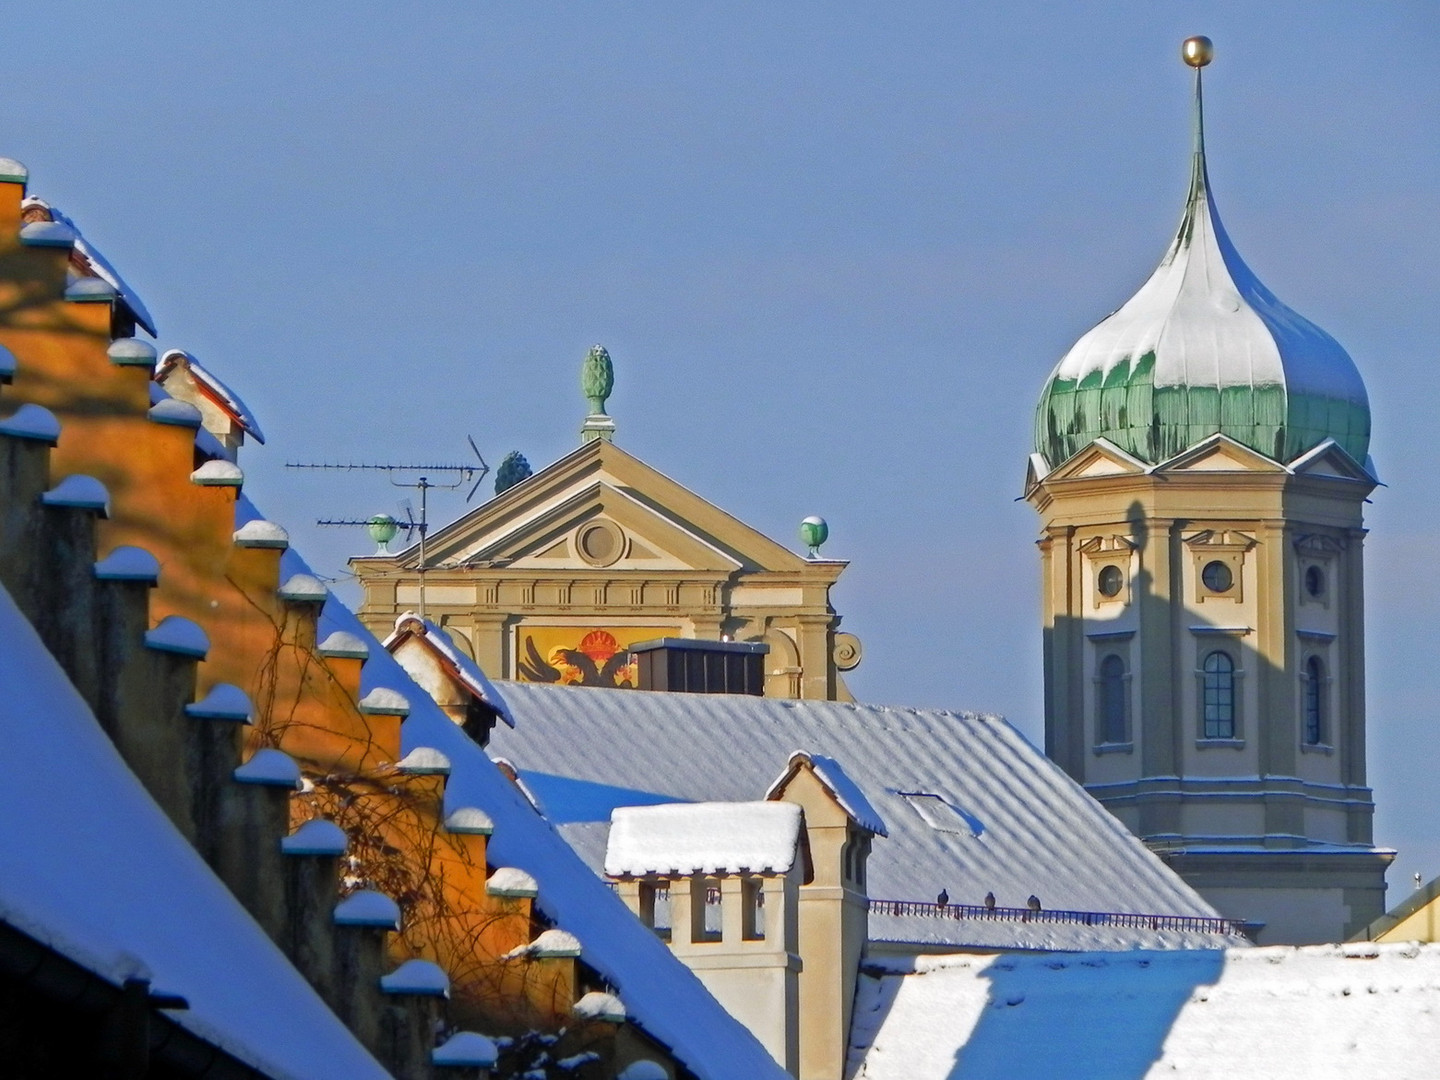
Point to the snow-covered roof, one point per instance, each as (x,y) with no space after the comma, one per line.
(1318,1012)
(703,838)
(663,996)
(459,666)
(91,867)
(87,261)
(971,807)
(209,385)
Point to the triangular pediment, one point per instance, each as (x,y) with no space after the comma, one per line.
(1099,458)
(1330,459)
(600,508)
(1219,453)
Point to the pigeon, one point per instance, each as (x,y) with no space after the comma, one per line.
(1034,902)
(989,901)
(943,898)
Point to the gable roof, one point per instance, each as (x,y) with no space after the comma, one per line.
(91,867)
(1021,826)
(455,664)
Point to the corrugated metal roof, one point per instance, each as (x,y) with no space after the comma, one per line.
(1029,829)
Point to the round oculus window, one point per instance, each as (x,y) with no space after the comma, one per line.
(1217,576)
(599,543)
(1315,581)
(1110,580)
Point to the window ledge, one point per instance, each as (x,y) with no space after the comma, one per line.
(1316,748)
(1207,744)
(1114,748)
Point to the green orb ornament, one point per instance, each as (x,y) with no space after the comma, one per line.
(382,529)
(813,533)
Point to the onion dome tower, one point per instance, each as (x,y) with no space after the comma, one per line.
(1201,463)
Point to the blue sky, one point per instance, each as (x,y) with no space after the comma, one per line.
(833,249)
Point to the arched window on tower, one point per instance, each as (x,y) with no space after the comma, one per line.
(1217,704)
(1314,702)
(1114,701)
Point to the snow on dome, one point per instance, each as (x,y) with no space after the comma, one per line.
(344,645)
(424,761)
(383,701)
(510,881)
(1202,348)
(172,411)
(218,473)
(177,634)
(600,1006)
(127,563)
(32,422)
(269,767)
(47,234)
(131,352)
(303,588)
(81,491)
(417,977)
(466,1049)
(90,290)
(261,534)
(223,701)
(470,819)
(367,907)
(316,837)
(12,172)
(703,838)
(644,1069)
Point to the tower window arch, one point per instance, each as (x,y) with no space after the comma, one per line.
(1113,701)
(1313,711)
(1217,695)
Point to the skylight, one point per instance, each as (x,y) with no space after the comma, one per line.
(941,815)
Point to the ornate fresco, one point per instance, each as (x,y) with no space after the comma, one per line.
(581,655)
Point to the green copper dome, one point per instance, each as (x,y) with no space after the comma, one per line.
(1203,347)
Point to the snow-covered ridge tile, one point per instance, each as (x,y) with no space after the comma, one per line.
(79,491)
(344,645)
(470,819)
(466,1049)
(177,634)
(551,943)
(128,563)
(54,234)
(175,412)
(417,977)
(218,473)
(597,1005)
(424,761)
(12,172)
(368,907)
(224,701)
(131,352)
(316,837)
(303,589)
(382,701)
(261,534)
(32,421)
(269,767)
(91,290)
(8,364)
(703,838)
(511,881)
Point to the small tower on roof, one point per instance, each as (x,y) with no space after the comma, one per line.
(1201,464)
(597,380)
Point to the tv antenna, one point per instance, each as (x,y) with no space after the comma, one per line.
(383,527)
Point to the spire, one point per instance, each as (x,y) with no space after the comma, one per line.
(597,380)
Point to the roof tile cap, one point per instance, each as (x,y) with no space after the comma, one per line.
(342,643)
(420,977)
(260,533)
(32,421)
(223,702)
(466,1049)
(511,881)
(218,473)
(316,837)
(269,767)
(177,634)
(368,907)
(128,563)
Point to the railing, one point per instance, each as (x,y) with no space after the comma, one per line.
(1194,923)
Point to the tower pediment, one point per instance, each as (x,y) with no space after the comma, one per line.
(1219,453)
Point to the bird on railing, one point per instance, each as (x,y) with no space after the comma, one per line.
(989,901)
(1033,902)
(943,898)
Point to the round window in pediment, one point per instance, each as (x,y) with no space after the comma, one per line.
(599,543)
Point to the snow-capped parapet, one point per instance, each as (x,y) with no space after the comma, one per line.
(466,1049)
(417,977)
(177,413)
(32,421)
(53,234)
(470,819)
(368,908)
(218,473)
(644,1069)
(128,563)
(344,645)
(8,364)
(261,534)
(703,838)
(382,701)
(597,1005)
(91,290)
(79,491)
(424,761)
(550,944)
(269,767)
(12,172)
(303,589)
(223,702)
(511,881)
(316,837)
(177,634)
(131,352)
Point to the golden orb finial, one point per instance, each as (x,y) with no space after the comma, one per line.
(1197,51)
